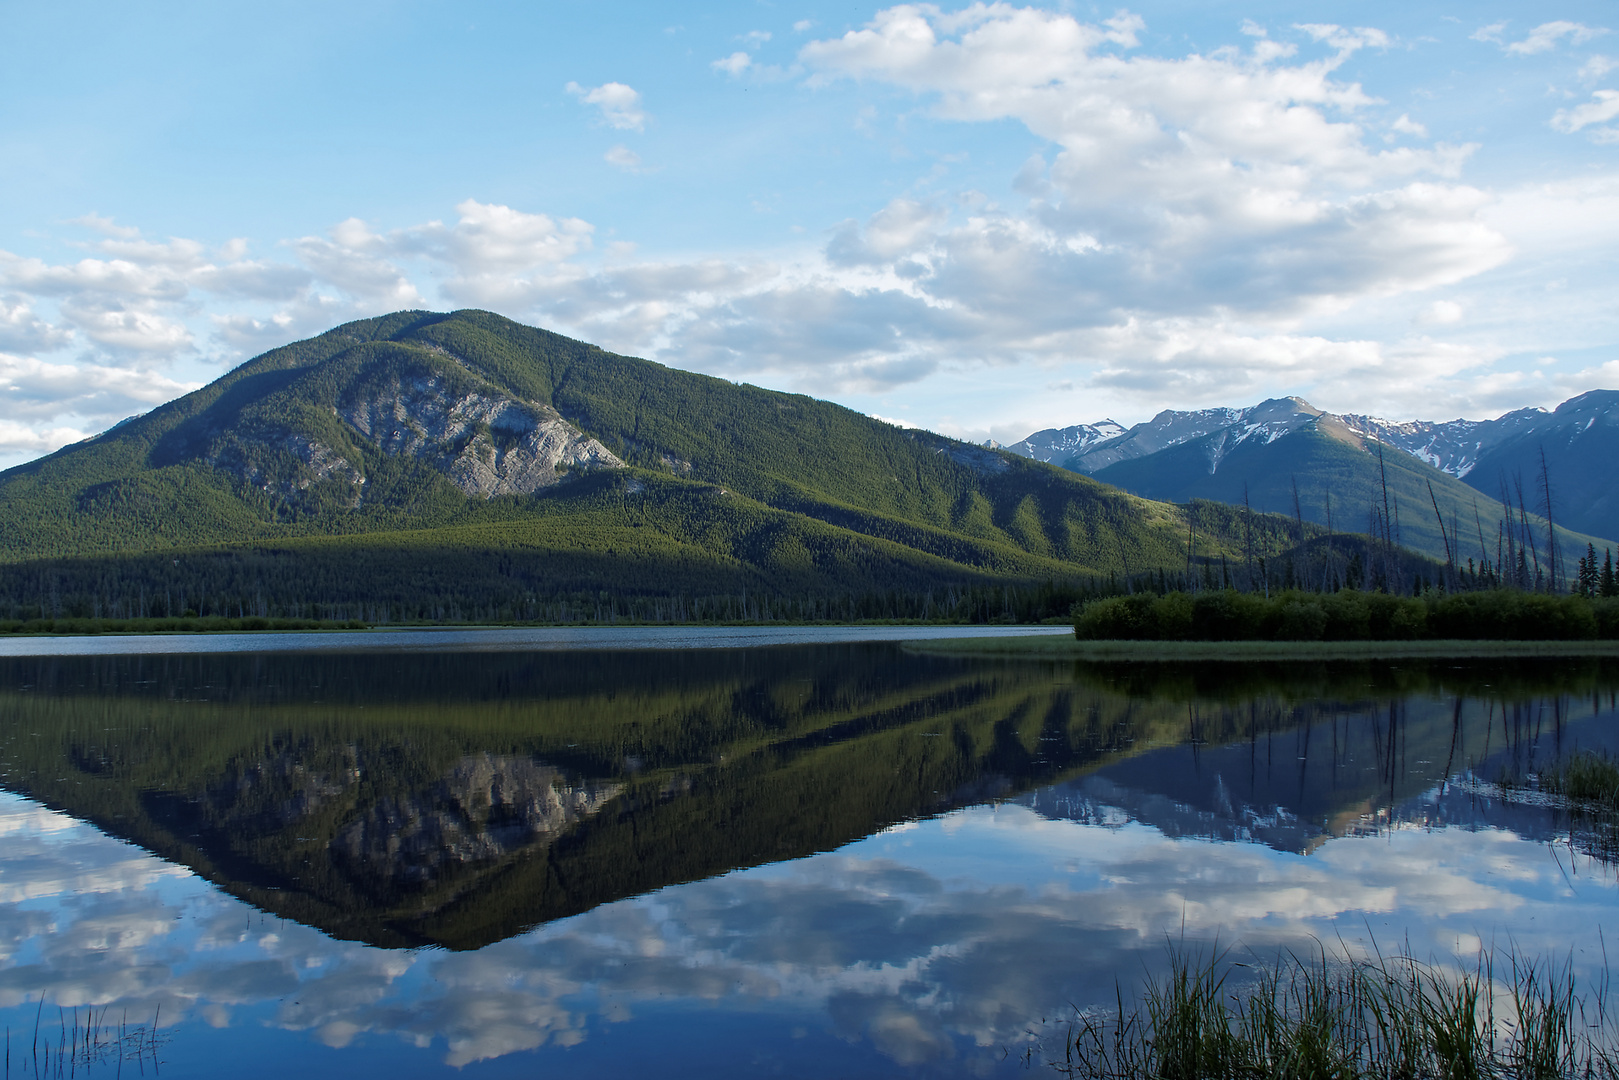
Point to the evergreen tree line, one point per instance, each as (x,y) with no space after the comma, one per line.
(177,609)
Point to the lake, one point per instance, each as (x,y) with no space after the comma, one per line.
(806,855)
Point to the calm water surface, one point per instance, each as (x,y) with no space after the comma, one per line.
(832,858)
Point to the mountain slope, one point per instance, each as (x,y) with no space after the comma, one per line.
(441,441)
(1581,438)
(1328,462)
(1581,442)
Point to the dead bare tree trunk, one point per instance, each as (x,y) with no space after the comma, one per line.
(1330,568)
(1511,533)
(1450,557)
(1394,549)
(1298,521)
(1528,533)
(1191,544)
(1248,534)
(1388,539)
(1551,532)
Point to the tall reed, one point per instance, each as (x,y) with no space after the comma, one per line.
(1330,1017)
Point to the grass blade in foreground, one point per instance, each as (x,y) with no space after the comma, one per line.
(1347,1019)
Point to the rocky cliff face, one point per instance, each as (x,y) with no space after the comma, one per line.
(484,808)
(486,443)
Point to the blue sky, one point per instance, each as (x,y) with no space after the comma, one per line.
(983,220)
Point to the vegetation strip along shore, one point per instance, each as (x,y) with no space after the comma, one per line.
(1066,648)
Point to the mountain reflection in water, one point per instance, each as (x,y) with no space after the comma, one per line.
(1007,838)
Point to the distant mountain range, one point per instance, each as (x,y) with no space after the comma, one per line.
(1267,448)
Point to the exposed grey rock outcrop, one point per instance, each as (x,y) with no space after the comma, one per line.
(484,808)
(486,443)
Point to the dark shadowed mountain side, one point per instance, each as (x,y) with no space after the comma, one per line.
(441,455)
(1580,439)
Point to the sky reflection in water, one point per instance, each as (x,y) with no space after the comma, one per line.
(930,947)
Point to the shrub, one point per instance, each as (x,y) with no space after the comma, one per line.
(1118,618)
(1350,615)
(1227,616)
(1606,613)
(1297,617)
(1505,614)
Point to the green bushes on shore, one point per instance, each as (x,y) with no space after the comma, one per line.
(1349,615)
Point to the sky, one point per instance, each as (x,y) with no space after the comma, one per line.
(984,220)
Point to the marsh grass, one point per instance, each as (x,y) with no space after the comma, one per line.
(1586,778)
(84,1040)
(1336,1018)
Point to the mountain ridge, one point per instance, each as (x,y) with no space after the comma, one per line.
(1493,458)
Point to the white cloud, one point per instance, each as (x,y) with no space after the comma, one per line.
(755,38)
(733,65)
(127,329)
(1603,107)
(19,440)
(1407,126)
(1491,33)
(620,105)
(116,277)
(623,157)
(1547,36)
(48,405)
(802,25)
(1169,167)
(894,231)
(1596,67)
(355,260)
(23,331)
(490,238)
(1153,150)
(1346,39)
(1441,313)
(106,226)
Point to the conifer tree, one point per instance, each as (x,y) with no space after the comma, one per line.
(1588,580)
(1609,586)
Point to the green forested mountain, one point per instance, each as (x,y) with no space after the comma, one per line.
(477,462)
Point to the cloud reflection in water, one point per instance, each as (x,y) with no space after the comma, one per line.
(935,944)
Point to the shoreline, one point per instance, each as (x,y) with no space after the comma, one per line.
(1069,648)
(500,639)
(334,626)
